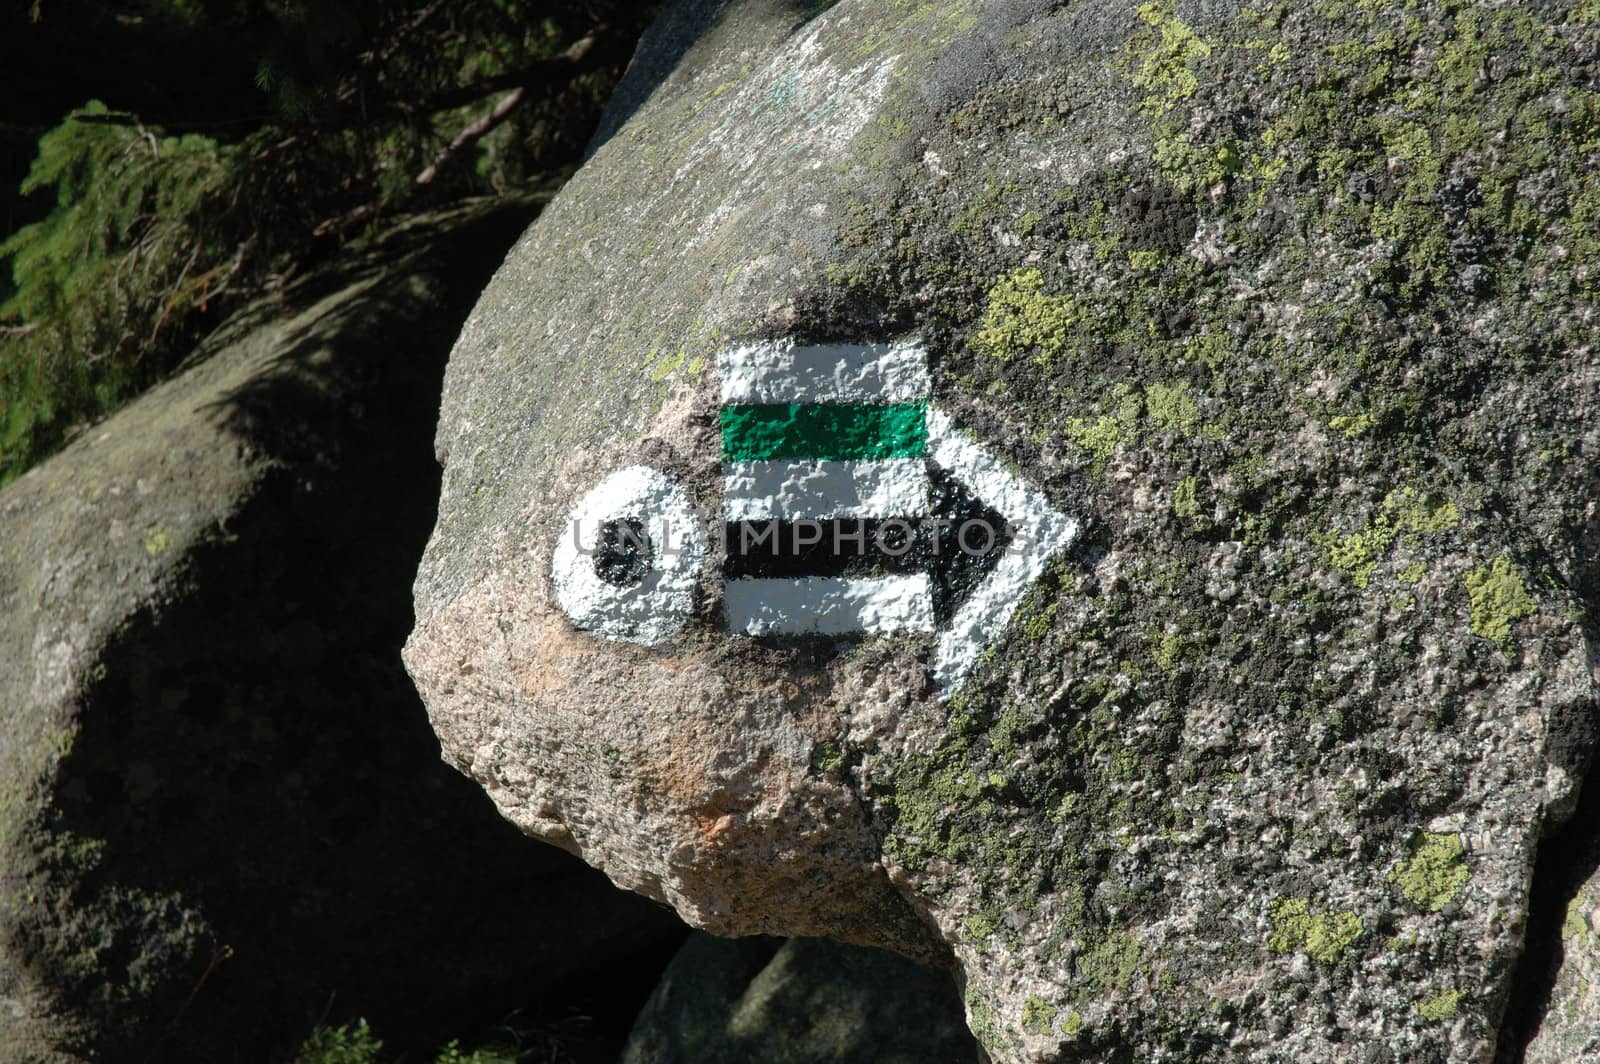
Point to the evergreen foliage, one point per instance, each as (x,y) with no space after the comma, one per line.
(152,234)
(123,254)
(356,1043)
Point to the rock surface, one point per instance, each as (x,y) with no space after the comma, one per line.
(1290,309)
(805,1001)
(1554,1016)
(1570,1032)
(224,820)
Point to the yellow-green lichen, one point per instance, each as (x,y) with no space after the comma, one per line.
(1407,512)
(1440,1006)
(1166,650)
(1322,936)
(1038,622)
(1413,572)
(1575,928)
(1352,425)
(1356,554)
(1038,1015)
(1418,512)
(1186,498)
(1171,407)
(1498,599)
(828,758)
(1111,963)
(980,1019)
(1020,318)
(1434,873)
(1065,809)
(1102,435)
(1099,436)
(157,542)
(1145,259)
(1163,59)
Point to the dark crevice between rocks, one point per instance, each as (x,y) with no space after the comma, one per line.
(1567,858)
(254,832)
(1570,855)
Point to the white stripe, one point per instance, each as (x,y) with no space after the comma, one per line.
(1039,532)
(826,605)
(780,372)
(761,491)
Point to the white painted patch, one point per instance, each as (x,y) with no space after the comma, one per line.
(1039,532)
(663,600)
(829,605)
(781,372)
(888,487)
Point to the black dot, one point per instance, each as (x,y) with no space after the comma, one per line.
(623,555)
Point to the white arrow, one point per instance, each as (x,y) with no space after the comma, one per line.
(1039,532)
(866,461)
(833,439)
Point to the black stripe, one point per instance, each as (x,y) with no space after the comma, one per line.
(958,572)
(876,546)
(850,546)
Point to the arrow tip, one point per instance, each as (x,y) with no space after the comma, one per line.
(1039,531)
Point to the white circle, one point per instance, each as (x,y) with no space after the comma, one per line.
(662,601)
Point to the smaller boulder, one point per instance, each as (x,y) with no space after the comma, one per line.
(807,1001)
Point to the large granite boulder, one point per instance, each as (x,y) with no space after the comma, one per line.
(805,1001)
(1262,339)
(223,819)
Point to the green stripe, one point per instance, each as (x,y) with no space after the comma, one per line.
(823,431)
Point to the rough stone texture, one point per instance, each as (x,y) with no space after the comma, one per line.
(1570,1032)
(806,1001)
(1293,306)
(222,815)
(1554,1014)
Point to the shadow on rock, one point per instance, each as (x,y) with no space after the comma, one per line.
(253,832)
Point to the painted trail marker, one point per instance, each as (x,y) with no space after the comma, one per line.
(850,505)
